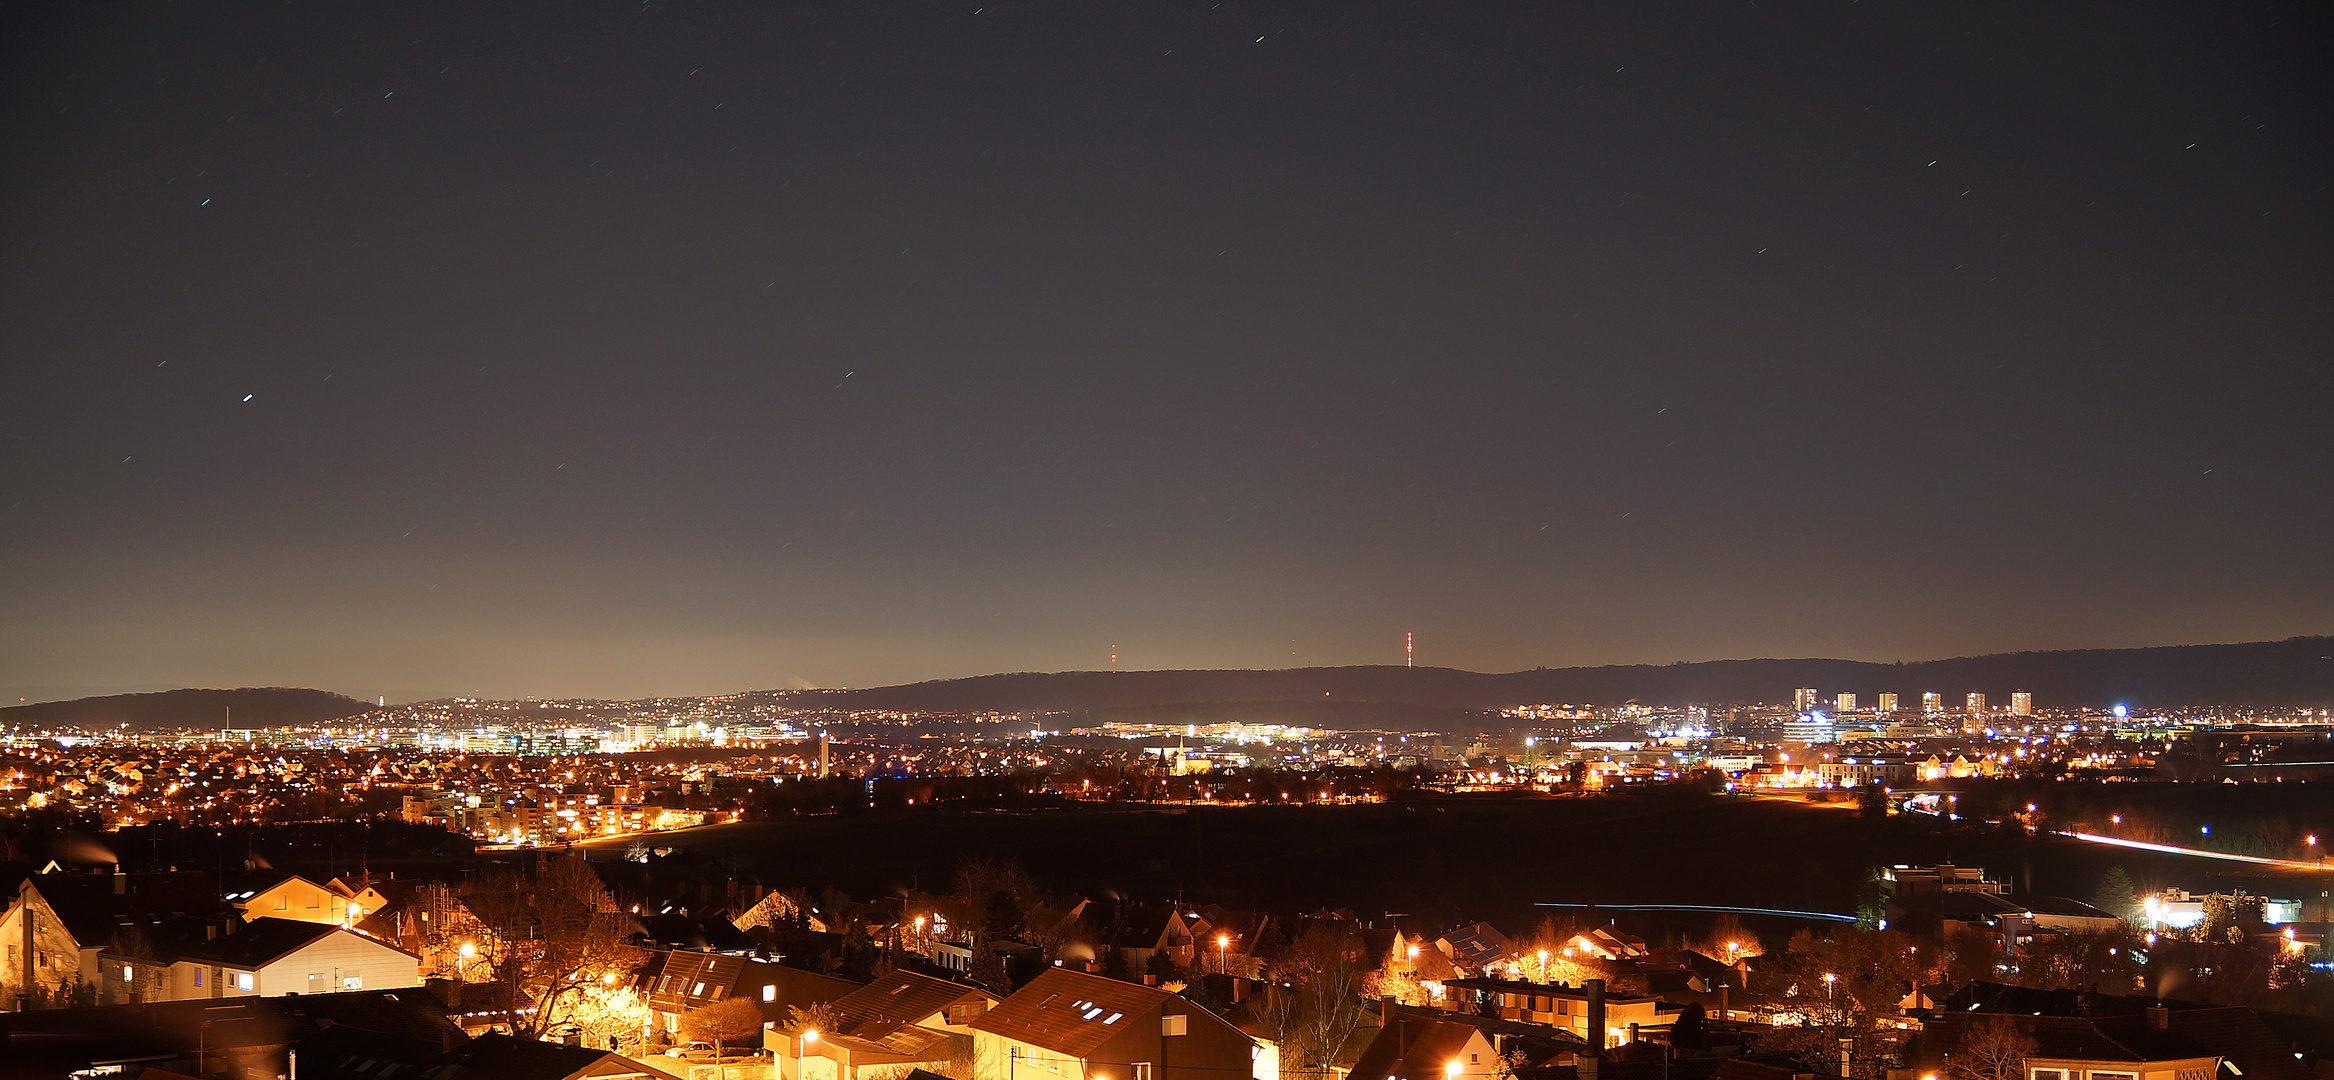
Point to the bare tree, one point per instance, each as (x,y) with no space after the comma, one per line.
(1842,986)
(1324,972)
(547,937)
(731,1020)
(1992,1048)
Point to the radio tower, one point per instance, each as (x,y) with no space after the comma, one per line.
(1114,658)
(1409,648)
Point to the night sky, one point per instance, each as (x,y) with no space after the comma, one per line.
(617,349)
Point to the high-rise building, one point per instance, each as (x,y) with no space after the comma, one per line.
(1887,702)
(1803,699)
(1845,703)
(1932,701)
(1977,703)
(2021,703)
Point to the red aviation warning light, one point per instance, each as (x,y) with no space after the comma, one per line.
(1409,647)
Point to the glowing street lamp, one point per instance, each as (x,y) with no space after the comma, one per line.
(1831,984)
(1222,940)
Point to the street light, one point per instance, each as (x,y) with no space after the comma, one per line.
(1222,940)
(1831,984)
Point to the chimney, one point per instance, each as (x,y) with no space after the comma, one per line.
(2159,1017)
(1722,1001)
(1596,1013)
(1386,1011)
(121,880)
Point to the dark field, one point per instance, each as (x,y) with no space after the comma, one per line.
(1445,859)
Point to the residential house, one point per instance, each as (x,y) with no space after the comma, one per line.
(266,958)
(1230,942)
(1941,878)
(900,1020)
(676,981)
(1426,1049)
(1563,1006)
(58,922)
(279,894)
(1068,1025)
(1137,932)
(2142,1047)
(367,1035)
(1473,948)
(1610,944)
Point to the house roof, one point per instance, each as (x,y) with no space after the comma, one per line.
(503,1057)
(743,976)
(679,931)
(2129,1039)
(1071,1012)
(2241,1036)
(92,910)
(884,1013)
(2060,906)
(1519,986)
(261,942)
(53,1042)
(1412,1048)
(1138,926)
(1475,944)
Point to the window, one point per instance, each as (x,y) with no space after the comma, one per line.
(283,903)
(2114,1076)
(198,974)
(242,980)
(2050,1074)
(126,973)
(1178,1024)
(352,982)
(699,992)
(770,992)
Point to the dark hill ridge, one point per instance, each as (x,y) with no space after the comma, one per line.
(272,706)
(2296,671)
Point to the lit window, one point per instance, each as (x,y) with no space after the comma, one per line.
(242,980)
(770,992)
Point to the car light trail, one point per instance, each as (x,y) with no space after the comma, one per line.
(1712,907)
(2288,864)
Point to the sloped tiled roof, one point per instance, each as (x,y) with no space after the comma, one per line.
(2241,1036)
(1071,1012)
(882,1015)
(92,910)
(2072,1038)
(1412,1048)
(262,941)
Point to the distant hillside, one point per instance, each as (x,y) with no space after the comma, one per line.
(2297,671)
(272,706)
